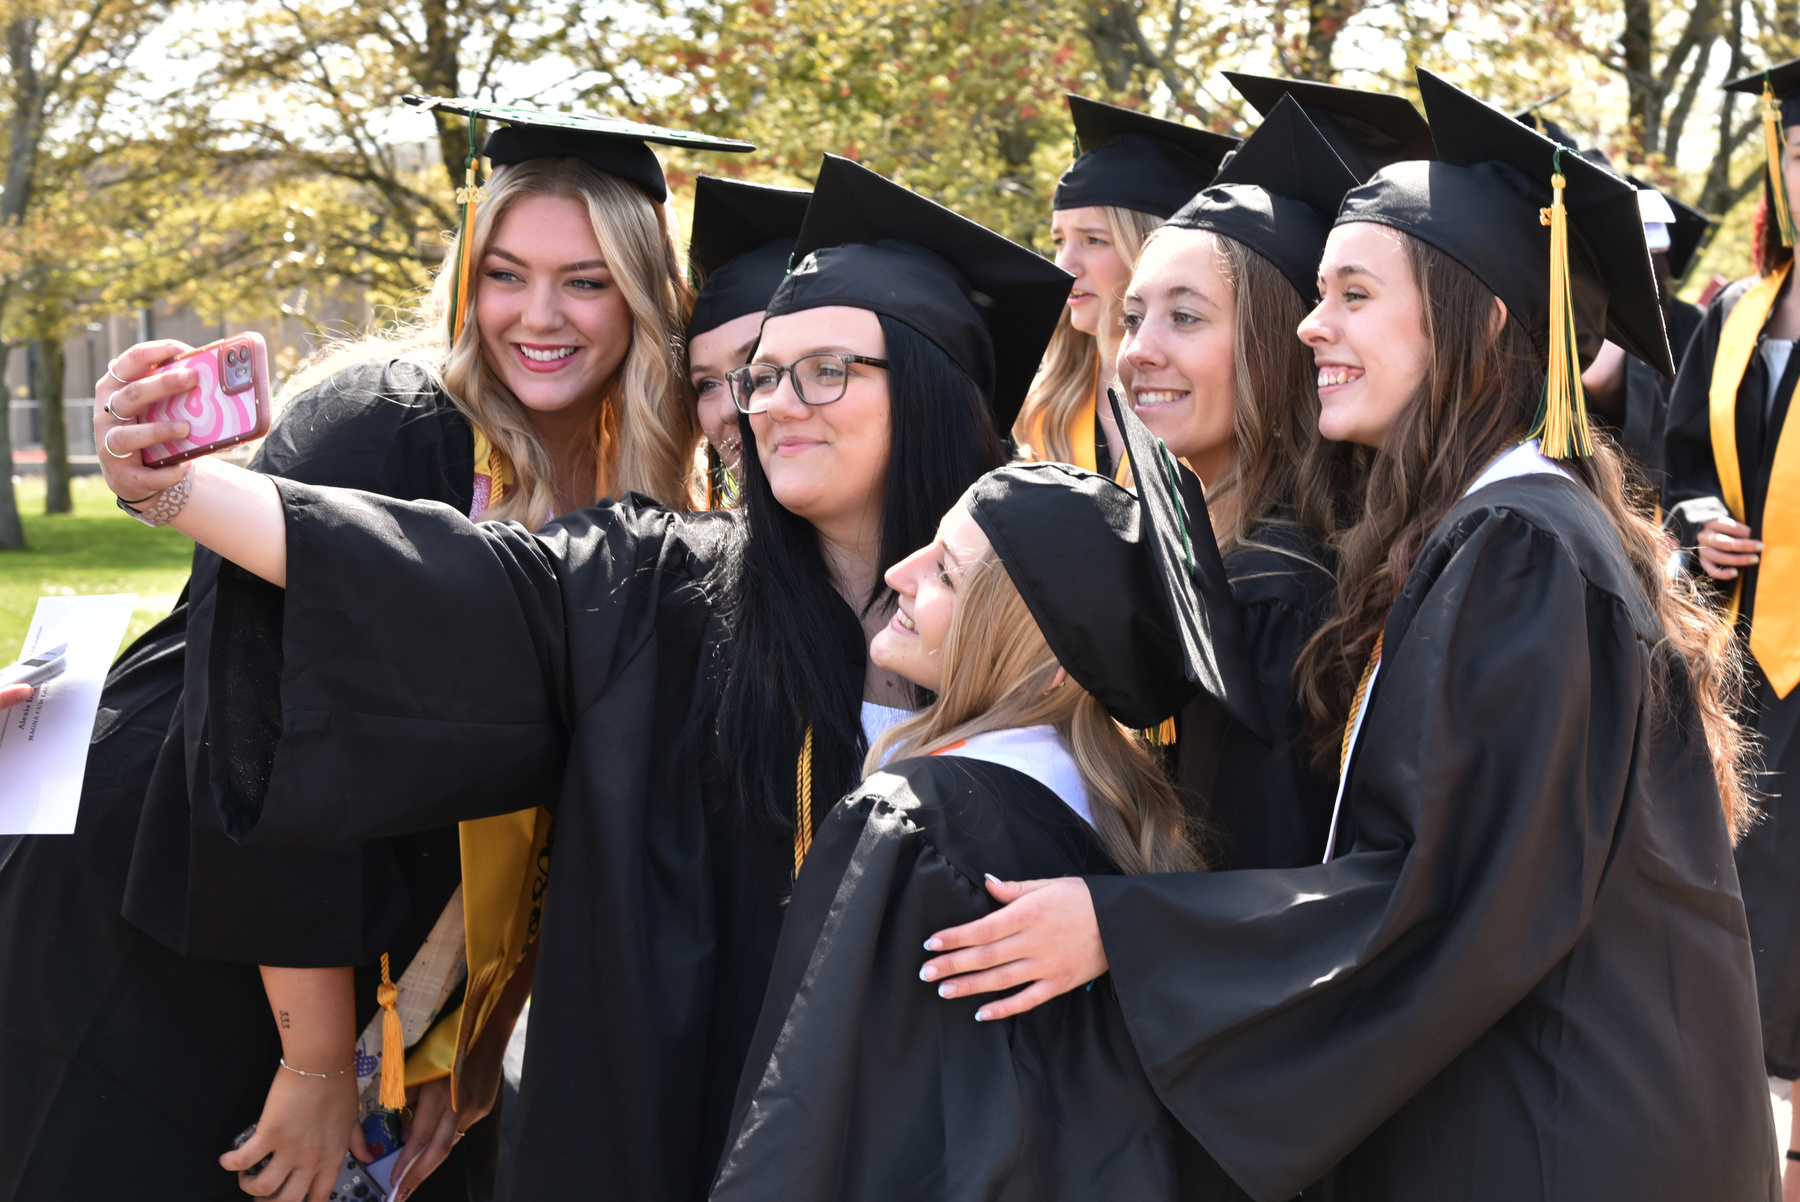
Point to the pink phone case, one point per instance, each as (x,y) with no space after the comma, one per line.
(230,405)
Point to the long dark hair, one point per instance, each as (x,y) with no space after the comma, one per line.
(780,673)
(1479,395)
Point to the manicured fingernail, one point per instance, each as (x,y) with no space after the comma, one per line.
(928,973)
(981,1016)
(946,990)
(933,944)
(181,429)
(990,876)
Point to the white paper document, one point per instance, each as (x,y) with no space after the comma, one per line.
(44,743)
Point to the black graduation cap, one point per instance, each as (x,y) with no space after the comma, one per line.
(1130,591)
(738,254)
(987,302)
(1368,130)
(1278,195)
(1131,160)
(1533,118)
(1481,204)
(612,144)
(1687,234)
(1784,81)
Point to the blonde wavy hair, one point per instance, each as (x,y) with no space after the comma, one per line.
(998,671)
(1065,378)
(647,430)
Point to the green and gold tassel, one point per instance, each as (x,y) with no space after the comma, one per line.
(1562,422)
(468,196)
(1772,147)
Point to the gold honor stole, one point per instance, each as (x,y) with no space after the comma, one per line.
(1775,629)
(505,867)
(1081,431)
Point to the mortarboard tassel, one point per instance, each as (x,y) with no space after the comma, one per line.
(1161,735)
(468,196)
(1562,421)
(803,804)
(1772,147)
(393,1042)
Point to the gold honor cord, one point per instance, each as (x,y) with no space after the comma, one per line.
(803,828)
(1562,421)
(1356,704)
(1772,148)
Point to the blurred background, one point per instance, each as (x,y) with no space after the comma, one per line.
(195,168)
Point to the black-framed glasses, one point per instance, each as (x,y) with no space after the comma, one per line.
(818,380)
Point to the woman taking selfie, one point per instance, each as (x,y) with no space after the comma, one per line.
(559,383)
(862,1084)
(1529,890)
(688,688)
(1210,363)
(1133,171)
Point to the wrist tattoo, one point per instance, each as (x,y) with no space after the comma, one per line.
(286,1024)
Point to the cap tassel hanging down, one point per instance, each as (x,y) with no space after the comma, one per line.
(468,196)
(1562,421)
(1772,146)
(393,1042)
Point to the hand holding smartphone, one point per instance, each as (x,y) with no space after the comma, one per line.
(230,404)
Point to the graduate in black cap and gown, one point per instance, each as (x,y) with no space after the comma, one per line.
(742,243)
(163,1034)
(1366,130)
(1130,172)
(1523,969)
(1211,361)
(684,688)
(1052,607)
(1733,498)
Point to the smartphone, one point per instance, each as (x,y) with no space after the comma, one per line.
(230,404)
(35,670)
(354,1183)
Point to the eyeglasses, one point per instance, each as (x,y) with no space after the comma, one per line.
(818,380)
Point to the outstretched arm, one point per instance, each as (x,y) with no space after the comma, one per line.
(233,512)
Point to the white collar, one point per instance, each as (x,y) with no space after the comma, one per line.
(1039,753)
(1523,460)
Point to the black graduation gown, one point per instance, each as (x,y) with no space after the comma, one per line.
(863,1084)
(168,1041)
(582,670)
(1264,804)
(1647,397)
(1769,856)
(1529,977)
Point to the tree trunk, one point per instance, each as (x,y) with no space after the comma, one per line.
(12,534)
(47,385)
(1645,100)
(1325,19)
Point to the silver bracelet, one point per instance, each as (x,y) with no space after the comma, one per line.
(322,1076)
(163,505)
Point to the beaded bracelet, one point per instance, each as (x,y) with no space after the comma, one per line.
(163,505)
(322,1076)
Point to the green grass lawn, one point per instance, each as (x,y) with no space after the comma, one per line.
(96,549)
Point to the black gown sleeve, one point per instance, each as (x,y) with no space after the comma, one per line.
(429,661)
(382,426)
(1691,494)
(862,1084)
(1287,1015)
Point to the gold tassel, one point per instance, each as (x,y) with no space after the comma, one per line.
(1562,421)
(393,1042)
(1160,735)
(470,195)
(803,829)
(1772,148)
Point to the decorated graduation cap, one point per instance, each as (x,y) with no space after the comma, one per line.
(738,255)
(610,144)
(1554,236)
(1367,130)
(985,301)
(1129,590)
(1278,195)
(1131,160)
(1688,227)
(1779,90)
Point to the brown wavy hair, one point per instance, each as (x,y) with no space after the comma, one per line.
(997,674)
(1065,378)
(1479,396)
